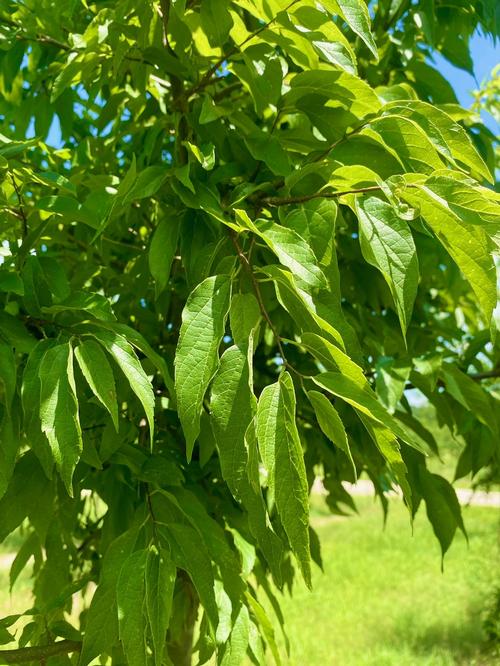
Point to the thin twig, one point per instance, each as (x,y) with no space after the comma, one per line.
(248,266)
(285,201)
(488,374)
(343,138)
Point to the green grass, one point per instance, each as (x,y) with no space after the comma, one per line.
(383,601)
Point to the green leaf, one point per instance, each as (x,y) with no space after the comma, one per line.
(204,154)
(244,317)
(130,591)
(147,184)
(388,446)
(283,458)
(101,625)
(392,375)
(406,141)
(262,74)
(160,581)
(357,18)
(11,282)
(365,402)
(232,406)
(236,647)
(97,371)
(449,138)
(27,488)
(292,250)
(10,444)
(470,395)
(346,89)
(162,250)
(30,396)
(468,245)
(30,547)
(333,358)
(465,198)
(216,20)
(443,509)
(196,358)
(95,305)
(331,424)
(190,554)
(13,332)
(265,625)
(126,359)
(8,376)
(387,243)
(59,410)
(138,341)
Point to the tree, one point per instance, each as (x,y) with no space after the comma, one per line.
(263,224)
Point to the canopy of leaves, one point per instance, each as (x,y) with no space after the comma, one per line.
(235,235)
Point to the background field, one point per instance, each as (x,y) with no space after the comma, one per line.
(382,600)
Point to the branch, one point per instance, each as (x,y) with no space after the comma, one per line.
(488,374)
(248,266)
(285,201)
(38,652)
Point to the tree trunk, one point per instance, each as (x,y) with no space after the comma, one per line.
(180,641)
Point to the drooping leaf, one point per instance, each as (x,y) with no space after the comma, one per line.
(160,580)
(365,402)
(97,371)
(443,509)
(162,250)
(232,407)
(101,627)
(470,395)
(292,251)
(449,138)
(468,245)
(59,410)
(357,18)
(130,591)
(331,424)
(282,456)
(30,396)
(124,356)
(387,243)
(8,376)
(392,376)
(236,647)
(203,323)
(216,20)
(406,141)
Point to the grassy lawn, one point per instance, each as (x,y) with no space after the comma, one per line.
(383,600)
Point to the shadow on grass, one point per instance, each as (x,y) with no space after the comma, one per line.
(464,642)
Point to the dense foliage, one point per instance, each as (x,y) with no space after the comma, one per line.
(262,225)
